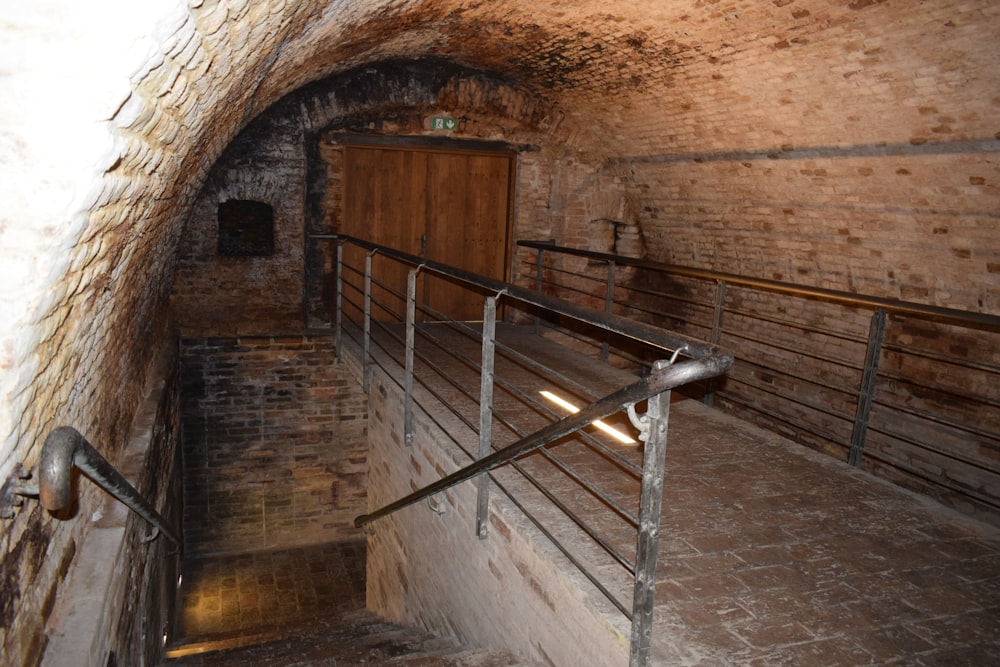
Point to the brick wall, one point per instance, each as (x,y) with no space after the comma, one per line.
(274,444)
(215,294)
(116,602)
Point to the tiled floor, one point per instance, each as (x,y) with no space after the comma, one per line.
(264,591)
(773,554)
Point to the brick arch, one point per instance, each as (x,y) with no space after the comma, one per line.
(850,144)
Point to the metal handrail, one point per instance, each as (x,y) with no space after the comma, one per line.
(869,397)
(66,448)
(896,306)
(655,383)
(646,333)
(702,361)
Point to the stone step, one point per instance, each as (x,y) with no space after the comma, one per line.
(356,639)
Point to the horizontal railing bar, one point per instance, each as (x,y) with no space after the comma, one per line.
(569,470)
(896,376)
(591,442)
(829,412)
(707,308)
(940,420)
(565,552)
(954,392)
(800,326)
(885,459)
(965,317)
(841,362)
(786,372)
(623,326)
(929,355)
(929,447)
(673,376)
(784,419)
(576,518)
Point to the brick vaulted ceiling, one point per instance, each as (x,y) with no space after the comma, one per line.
(112,119)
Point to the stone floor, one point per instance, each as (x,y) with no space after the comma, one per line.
(251,594)
(773,554)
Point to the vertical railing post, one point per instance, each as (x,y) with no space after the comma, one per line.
(338,327)
(717,320)
(367,341)
(609,303)
(486,413)
(411,339)
(650,504)
(866,392)
(539,271)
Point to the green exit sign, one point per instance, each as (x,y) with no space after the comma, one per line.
(443,123)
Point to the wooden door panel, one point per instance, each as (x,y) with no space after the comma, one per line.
(451,207)
(385,202)
(467,224)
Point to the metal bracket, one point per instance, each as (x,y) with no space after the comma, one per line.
(15,490)
(435,505)
(641,422)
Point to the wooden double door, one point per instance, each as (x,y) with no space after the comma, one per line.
(445,205)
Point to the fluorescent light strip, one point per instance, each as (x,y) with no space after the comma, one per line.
(610,430)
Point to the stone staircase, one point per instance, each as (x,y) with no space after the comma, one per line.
(355,639)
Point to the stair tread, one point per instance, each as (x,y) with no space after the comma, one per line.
(356,638)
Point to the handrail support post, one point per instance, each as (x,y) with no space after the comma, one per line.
(866,392)
(411,340)
(338,327)
(650,505)
(717,321)
(367,354)
(486,413)
(609,302)
(539,271)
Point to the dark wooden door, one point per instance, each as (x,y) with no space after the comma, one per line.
(449,206)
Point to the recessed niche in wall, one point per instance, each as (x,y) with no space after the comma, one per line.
(246,228)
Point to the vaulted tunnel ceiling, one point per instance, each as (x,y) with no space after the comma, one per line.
(634,80)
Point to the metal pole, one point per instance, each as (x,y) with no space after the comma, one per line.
(720,309)
(411,339)
(866,392)
(650,503)
(367,361)
(486,413)
(538,285)
(339,305)
(609,302)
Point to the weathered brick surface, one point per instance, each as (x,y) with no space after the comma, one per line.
(274,444)
(870,131)
(220,295)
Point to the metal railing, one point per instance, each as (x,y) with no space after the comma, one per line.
(392,328)
(909,390)
(65,449)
